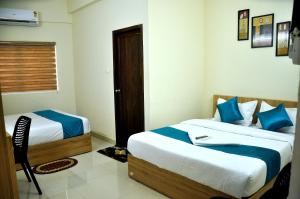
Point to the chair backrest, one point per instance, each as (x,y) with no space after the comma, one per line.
(282,182)
(280,188)
(21,134)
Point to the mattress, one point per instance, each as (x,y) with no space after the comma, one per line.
(43,130)
(236,175)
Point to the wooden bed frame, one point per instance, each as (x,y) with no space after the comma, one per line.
(176,186)
(46,152)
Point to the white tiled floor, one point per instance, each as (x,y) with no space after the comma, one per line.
(95,176)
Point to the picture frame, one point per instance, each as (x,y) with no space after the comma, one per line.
(283,38)
(243,24)
(262,31)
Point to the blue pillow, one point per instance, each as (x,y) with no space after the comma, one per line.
(229,111)
(274,119)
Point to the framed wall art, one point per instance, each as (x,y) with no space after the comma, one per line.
(243,24)
(283,38)
(262,31)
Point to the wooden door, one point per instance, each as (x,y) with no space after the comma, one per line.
(128,82)
(8,182)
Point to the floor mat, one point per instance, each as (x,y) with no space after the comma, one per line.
(55,166)
(116,153)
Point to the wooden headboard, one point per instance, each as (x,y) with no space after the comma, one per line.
(287,104)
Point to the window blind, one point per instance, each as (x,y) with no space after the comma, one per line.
(27,66)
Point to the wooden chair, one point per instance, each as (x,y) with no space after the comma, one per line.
(280,189)
(20,144)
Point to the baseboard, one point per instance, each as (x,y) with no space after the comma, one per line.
(101,136)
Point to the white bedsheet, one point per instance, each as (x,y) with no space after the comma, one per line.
(42,130)
(235,175)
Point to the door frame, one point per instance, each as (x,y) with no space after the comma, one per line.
(115,33)
(8,182)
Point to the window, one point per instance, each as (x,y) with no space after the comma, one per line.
(27,66)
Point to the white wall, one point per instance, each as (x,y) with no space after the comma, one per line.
(174,77)
(56,27)
(232,67)
(176,60)
(93,58)
(190,53)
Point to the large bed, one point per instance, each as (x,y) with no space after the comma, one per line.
(48,139)
(183,170)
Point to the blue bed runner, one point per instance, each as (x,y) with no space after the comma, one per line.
(270,157)
(72,126)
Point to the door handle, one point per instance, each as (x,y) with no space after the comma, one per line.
(117,91)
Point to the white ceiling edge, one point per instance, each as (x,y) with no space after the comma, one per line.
(76,5)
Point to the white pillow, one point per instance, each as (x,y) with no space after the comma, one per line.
(292,113)
(247,109)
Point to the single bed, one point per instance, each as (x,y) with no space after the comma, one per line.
(48,139)
(181,170)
